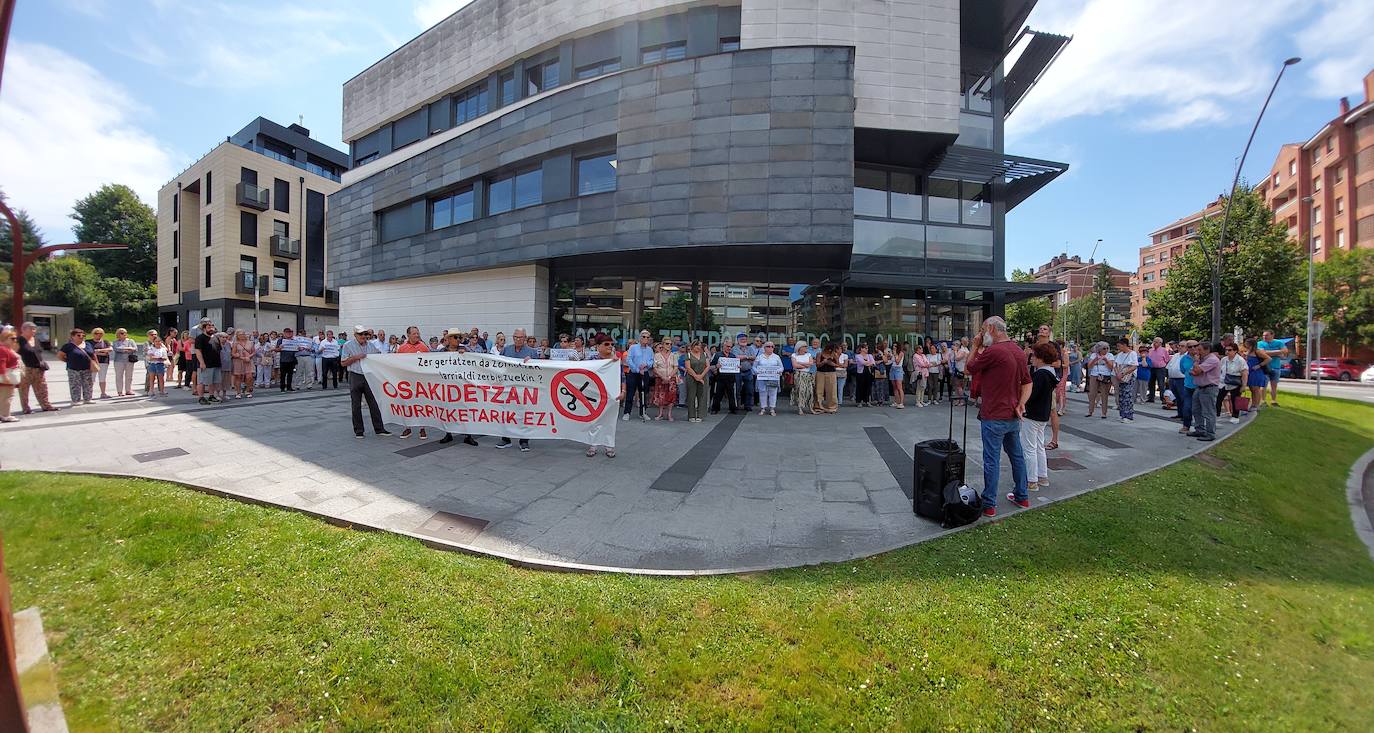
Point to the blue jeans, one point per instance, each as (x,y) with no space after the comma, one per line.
(1183,399)
(999,435)
(744,388)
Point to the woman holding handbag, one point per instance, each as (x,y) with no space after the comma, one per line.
(125,356)
(1233,371)
(665,380)
(10,372)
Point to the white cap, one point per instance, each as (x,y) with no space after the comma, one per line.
(360,329)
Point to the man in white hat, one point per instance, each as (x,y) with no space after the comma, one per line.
(358,390)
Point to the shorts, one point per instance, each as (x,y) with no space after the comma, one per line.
(1274,374)
(210,375)
(157,368)
(895,375)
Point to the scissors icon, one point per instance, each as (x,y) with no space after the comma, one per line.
(572,399)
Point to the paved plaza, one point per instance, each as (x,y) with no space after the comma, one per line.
(729,494)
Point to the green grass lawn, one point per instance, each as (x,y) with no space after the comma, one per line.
(1236,599)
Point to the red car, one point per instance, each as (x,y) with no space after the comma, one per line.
(1345,370)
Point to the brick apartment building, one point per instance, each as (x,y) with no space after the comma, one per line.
(1166,244)
(1336,168)
(1080,279)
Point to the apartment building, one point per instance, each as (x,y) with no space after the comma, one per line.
(1079,278)
(1166,244)
(1335,167)
(249,219)
(816,168)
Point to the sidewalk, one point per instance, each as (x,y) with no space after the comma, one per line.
(729,494)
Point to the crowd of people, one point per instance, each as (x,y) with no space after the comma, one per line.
(1020,387)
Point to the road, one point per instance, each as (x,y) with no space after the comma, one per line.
(1346,390)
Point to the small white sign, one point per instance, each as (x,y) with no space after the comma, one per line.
(768,371)
(728,365)
(564,355)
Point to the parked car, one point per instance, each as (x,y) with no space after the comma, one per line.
(1291,368)
(1367,376)
(1345,370)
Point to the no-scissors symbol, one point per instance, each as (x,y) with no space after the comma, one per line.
(578,395)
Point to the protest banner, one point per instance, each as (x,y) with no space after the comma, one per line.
(728,364)
(495,395)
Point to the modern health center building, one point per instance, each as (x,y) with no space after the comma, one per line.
(822,167)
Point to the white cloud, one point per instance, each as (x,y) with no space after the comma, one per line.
(1167,63)
(66,130)
(429,12)
(1336,48)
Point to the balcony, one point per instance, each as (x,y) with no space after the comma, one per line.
(245,283)
(307,166)
(251,196)
(285,247)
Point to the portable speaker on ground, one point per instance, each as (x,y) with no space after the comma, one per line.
(938,462)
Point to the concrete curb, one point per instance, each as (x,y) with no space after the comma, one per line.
(1358,501)
(576,567)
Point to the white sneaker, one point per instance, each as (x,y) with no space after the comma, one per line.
(625,417)
(1235,420)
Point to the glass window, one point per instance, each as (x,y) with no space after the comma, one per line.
(281,228)
(207,271)
(1316,244)
(450,210)
(470,105)
(529,188)
(507,88)
(248,229)
(975,130)
(888,239)
(977,203)
(870,192)
(970,246)
(906,195)
(1316,215)
(409,129)
(1316,183)
(1340,237)
(280,279)
(663,52)
(944,200)
(501,195)
(596,174)
(1340,206)
(729,43)
(248,264)
(597,69)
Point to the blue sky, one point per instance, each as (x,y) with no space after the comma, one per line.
(1150,104)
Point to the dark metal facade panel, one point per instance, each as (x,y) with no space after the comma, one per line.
(711,151)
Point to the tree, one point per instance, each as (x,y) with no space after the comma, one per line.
(676,315)
(1102,281)
(115,214)
(68,281)
(1080,320)
(1261,279)
(33,239)
(1343,296)
(132,305)
(1025,317)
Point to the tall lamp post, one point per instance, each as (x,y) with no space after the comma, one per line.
(1216,262)
(1307,353)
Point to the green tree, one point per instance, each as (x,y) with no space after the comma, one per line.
(132,305)
(1343,296)
(33,238)
(68,281)
(1026,316)
(1080,320)
(114,214)
(1261,279)
(676,315)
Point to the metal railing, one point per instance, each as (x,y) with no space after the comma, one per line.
(306,166)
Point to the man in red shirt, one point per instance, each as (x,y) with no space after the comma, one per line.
(413,345)
(1002,379)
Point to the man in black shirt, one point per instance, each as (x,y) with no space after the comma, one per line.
(207,364)
(35,371)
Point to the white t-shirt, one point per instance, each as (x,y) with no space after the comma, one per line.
(157,353)
(961,359)
(802,362)
(843,362)
(1126,364)
(1176,366)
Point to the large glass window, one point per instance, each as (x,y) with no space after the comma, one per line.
(280,277)
(598,68)
(541,77)
(959,250)
(529,188)
(977,204)
(500,195)
(663,52)
(409,129)
(450,210)
(870,192)
(596,174)
(470,104)
(944,200)
(889,238)
(975,130)
(514,191)
(507,83)
(905,195)
(248,229)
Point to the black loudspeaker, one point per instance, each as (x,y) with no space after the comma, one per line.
(938,462)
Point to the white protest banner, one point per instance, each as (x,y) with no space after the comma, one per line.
(728,364)
(564,355)
(763,370)
(495,395)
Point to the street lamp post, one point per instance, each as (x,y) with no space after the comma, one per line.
(1226,216)
(1307,354)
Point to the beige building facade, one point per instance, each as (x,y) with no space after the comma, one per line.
(242,233)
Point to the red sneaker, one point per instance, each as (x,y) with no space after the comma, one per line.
(990,511)
(1023,503)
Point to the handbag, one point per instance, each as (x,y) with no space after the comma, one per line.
(1231,380)
(133,358)
(13,376)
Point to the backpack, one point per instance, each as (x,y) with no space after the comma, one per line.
(962,505)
